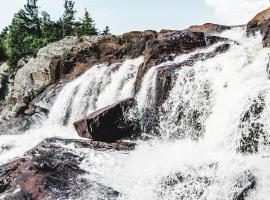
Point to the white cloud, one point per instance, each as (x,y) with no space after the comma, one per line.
(237,11)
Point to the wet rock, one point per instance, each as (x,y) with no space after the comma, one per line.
(96,145)
(169,44)
(191,184)
(68,58)
(46,99)
(261,23)
(186,185)
(209,28)
(252,130)
(266,34)
(48,171)
(110,123)
(33,116)
(165,81)
(257,22)
(166,76)
(244,184)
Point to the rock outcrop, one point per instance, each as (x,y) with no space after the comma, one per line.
(109,124)
(168,44)
(49,171)
(65,60)
(209,28)
(261,23)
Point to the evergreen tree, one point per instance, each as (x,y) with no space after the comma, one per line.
(68,18)
(87,26)
(30,31)
(106,31)
(51,31)
(31,18)
(3,36)
(14,43)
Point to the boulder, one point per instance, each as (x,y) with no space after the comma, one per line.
(209,28)
(49,171)
(109,124)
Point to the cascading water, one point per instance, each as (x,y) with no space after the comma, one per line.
(200,151)
(77,99)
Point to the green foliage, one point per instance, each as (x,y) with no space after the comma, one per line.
(30,30)
(106,31)
(87,26)
(68,18)
(51,31)
(31,18)
(3,36)
(14,43)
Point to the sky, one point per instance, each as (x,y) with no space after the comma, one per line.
(130,15)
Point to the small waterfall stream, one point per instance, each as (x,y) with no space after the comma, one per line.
(211,107)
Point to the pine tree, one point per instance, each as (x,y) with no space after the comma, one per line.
(87,26)
(51,31)
(68,18)
(3,36)
(31,18)
(14,43)
(106,31)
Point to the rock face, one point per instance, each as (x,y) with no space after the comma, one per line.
(48,171)
(209,28)
(261,22)
(110,123)
(169,44)
(258,21)
(70,57)
(166,74)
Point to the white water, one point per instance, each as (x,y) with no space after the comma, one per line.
(77,99)
(212,95)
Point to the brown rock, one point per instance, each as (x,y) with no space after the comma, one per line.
(48,171)
(170,44)
(109,124)
(208,28)
(261,22)
(258,21)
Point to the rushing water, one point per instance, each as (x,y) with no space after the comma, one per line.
(200,149)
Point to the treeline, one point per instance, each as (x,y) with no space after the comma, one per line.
(31,29)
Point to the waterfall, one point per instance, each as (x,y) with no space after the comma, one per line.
(100,86)
(212,109)
(200,147)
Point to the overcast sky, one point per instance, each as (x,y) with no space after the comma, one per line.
(126,15)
